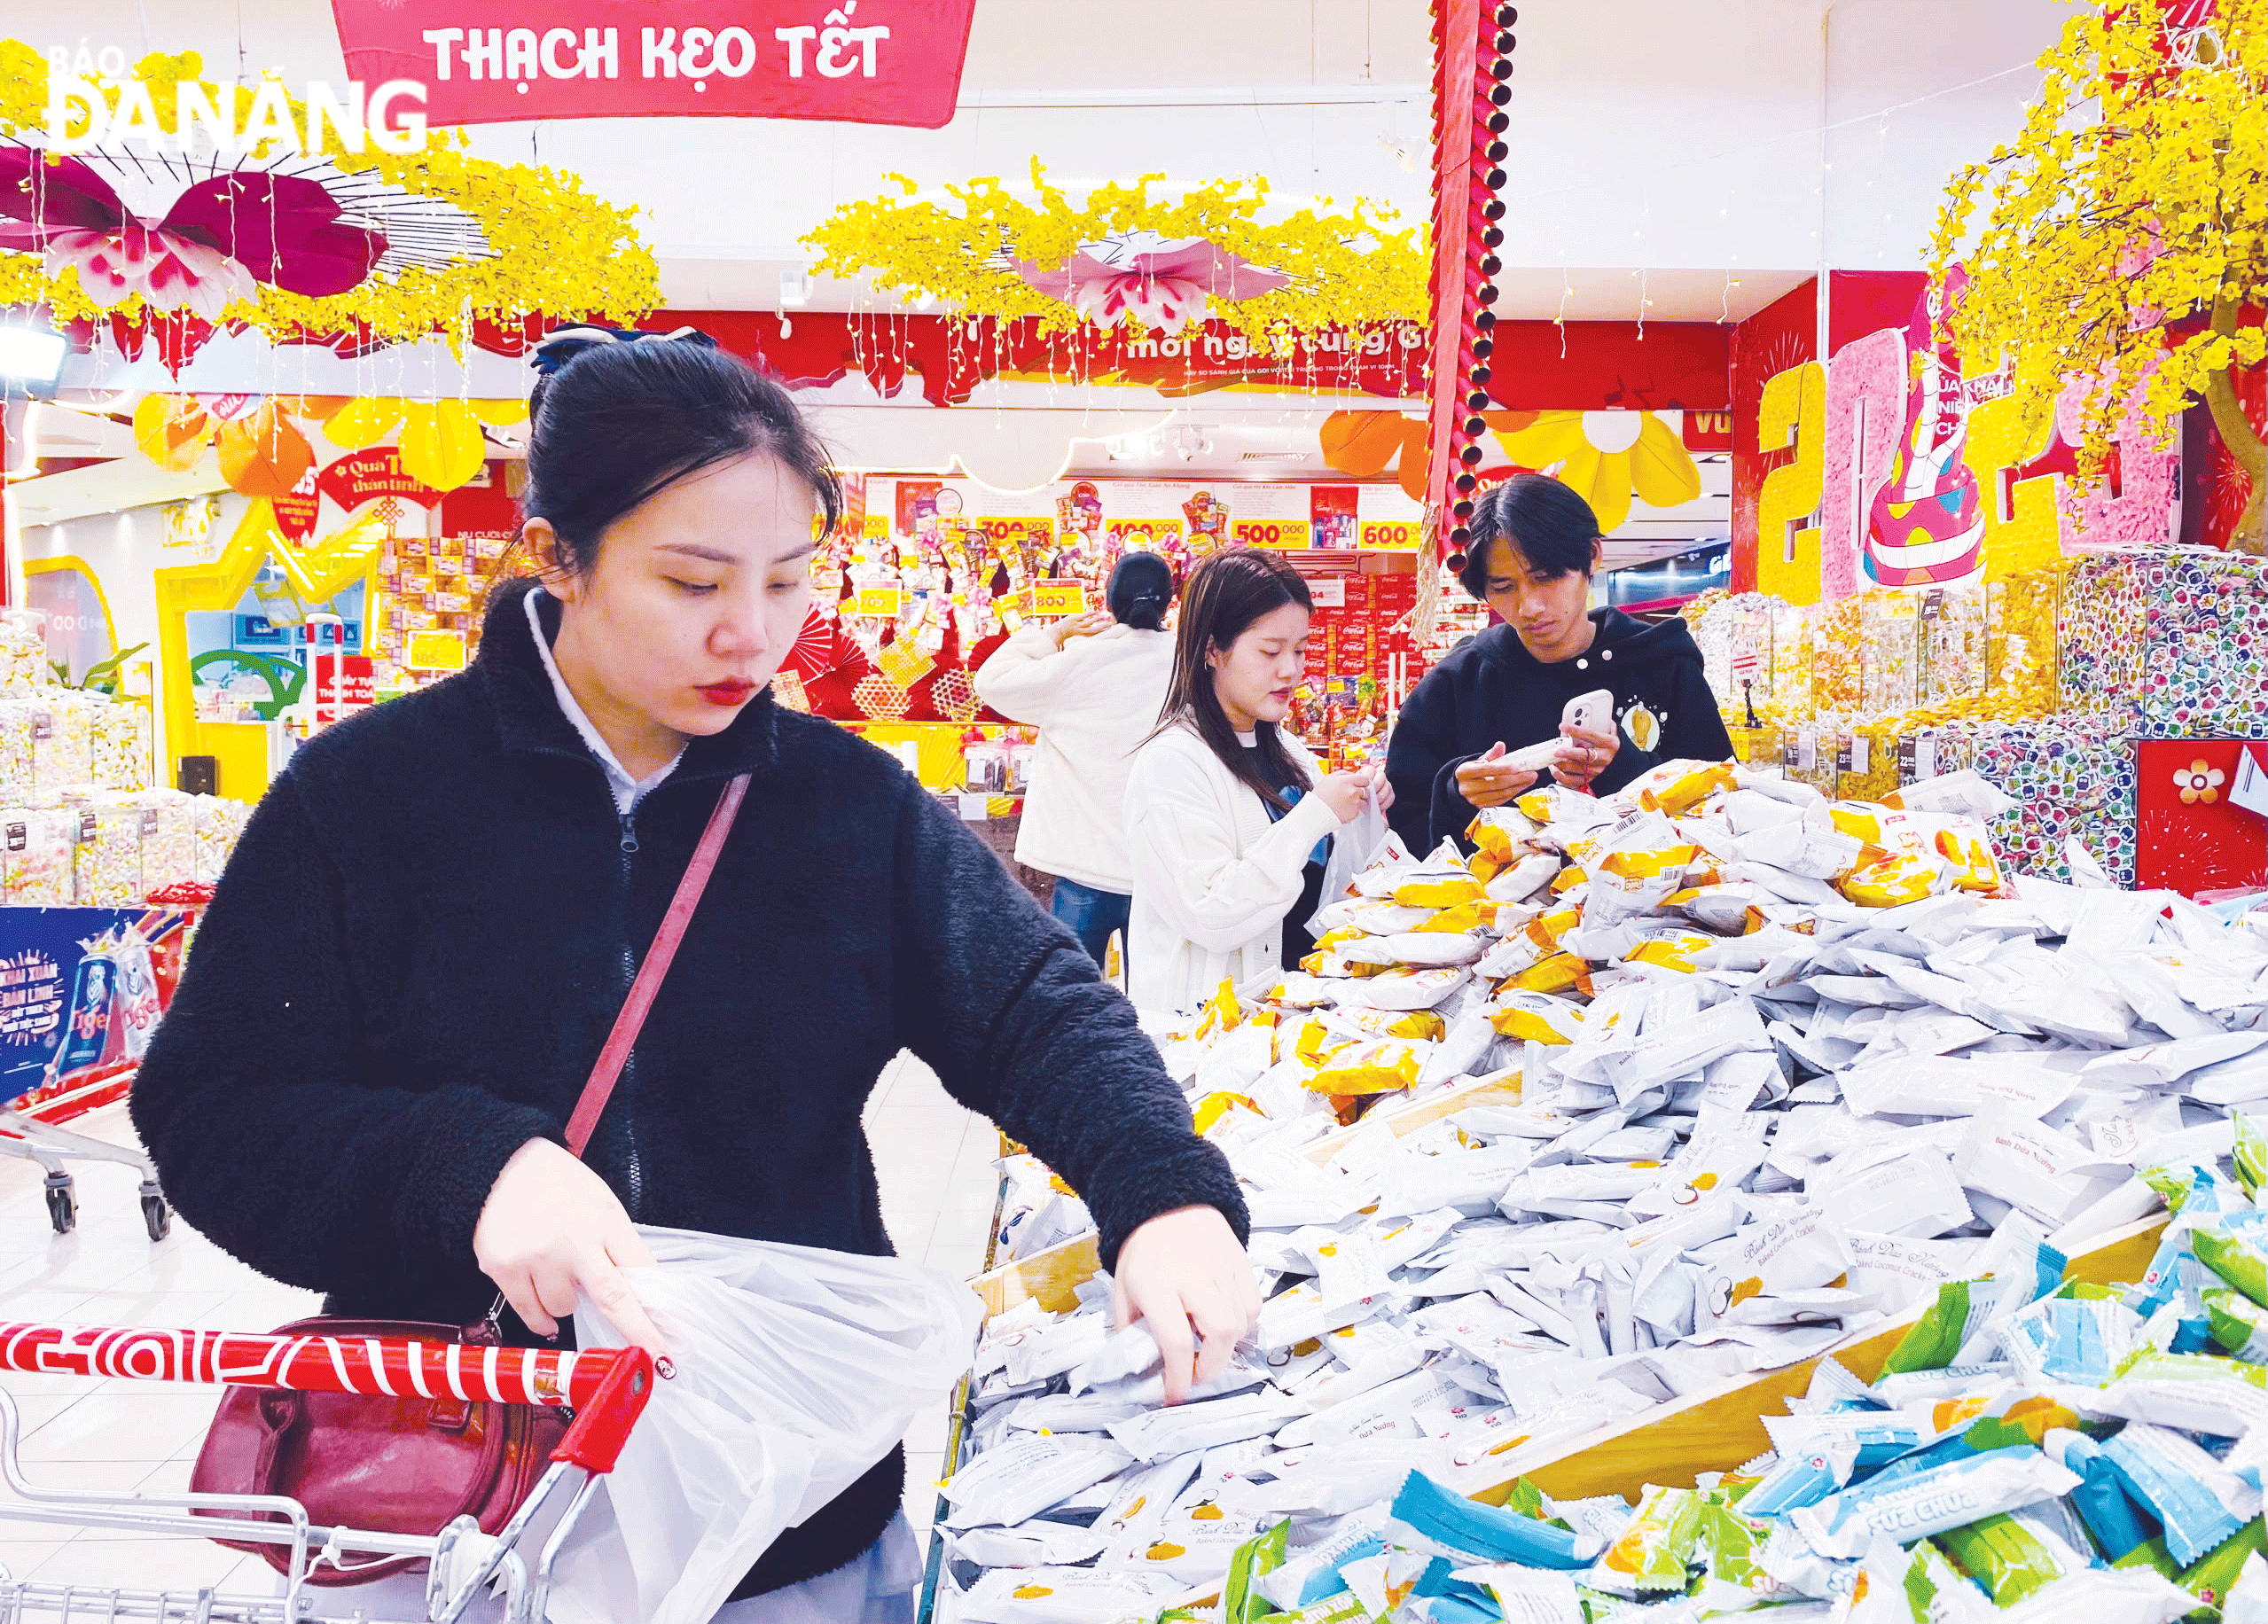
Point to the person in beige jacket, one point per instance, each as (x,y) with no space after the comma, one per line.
(1229,819)
(1094,686)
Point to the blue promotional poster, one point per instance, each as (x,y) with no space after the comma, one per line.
(79,990)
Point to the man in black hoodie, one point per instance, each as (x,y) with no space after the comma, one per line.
(1534,546)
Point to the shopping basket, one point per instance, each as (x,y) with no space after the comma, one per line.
(604,1390)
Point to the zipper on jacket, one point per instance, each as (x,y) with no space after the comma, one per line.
(629,1063)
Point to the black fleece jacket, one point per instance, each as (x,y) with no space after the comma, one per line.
(429,925)
(1491,689)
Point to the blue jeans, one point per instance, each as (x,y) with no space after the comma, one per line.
(1091,914)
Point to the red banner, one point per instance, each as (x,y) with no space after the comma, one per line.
(492,61)
(361,477)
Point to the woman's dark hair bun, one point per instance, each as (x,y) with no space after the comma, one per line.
(614,422)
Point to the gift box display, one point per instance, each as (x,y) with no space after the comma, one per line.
(2070,777)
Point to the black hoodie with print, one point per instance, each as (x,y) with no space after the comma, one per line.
(1491,689)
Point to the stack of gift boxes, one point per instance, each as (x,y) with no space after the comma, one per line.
(79,822)
(2042,682)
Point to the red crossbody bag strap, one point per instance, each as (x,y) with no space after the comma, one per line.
(647,983)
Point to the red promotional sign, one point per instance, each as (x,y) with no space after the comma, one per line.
(365,476)
(488,61)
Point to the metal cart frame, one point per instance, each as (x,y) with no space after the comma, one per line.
(605,1389)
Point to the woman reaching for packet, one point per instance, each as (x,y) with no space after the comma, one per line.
(425,936)
(1229,819)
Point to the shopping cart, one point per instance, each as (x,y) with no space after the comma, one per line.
(604,1390)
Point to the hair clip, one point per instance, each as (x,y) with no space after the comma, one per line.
(562,345)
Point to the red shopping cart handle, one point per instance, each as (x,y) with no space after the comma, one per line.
(606,1387)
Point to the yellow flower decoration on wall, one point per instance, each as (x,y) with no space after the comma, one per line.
(1605,456)
(1337,270)
(2198,781)
(549,246)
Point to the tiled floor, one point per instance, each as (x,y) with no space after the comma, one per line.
(935,1160)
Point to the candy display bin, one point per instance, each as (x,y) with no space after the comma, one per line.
(2173,638)
(2069,776)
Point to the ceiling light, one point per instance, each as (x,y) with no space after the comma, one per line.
(31,358)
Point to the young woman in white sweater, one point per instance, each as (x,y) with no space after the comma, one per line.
(1228,818)
(1092,686)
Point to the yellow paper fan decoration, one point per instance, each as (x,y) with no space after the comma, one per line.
(905,665)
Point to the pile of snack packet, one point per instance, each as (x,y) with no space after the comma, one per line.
(1752,1071)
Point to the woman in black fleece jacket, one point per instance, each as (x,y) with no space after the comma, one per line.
(430,924)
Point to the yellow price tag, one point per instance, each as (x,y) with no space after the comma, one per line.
(880,601)
(1390,533)
(1058,597)
(1270,531)
(435,651)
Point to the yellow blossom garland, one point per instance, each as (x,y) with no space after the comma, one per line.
(1347,269)
(557,249)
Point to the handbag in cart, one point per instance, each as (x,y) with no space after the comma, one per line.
(414,1463)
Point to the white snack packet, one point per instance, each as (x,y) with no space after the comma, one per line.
(1061,1595)
(1021,1479)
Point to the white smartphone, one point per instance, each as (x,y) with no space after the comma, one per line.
(1592,711)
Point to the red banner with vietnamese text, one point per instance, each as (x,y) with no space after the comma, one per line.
(491,61)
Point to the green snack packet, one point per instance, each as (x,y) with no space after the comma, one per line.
(1936,1337)
(1600,1608)
(2010,1559)
(1344,1608)
(1652,1553)
(1935,1588)
(1528,1500)
(1241,1604)
(2251,1156)
(2211,1576)
(2236,1258)
(2172,1184)
(2152,1554)
(2239,1323)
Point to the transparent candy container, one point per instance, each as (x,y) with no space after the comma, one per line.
(168,837)
(108,860)
(1889,658)
(16,751)
(62,747)
(23,652)
(119,745)
(35,857)
(217,824)
(984,764)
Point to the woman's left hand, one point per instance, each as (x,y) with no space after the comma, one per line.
(1584,757)
(1184,1273)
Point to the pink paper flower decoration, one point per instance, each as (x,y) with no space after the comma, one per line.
(1161,282)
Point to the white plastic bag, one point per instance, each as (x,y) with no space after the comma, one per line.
(797,1370)
(1352,847)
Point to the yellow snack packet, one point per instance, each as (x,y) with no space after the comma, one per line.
(1463,918)
(1392,1023)
(1569,878)
(1314,1041)
(1555,974)
(1648,864)
(1536,806)
(1483,867)
(1689,784)
(1892,880)
(1501,834)
(1382,1066)
(1674,951)
(1970,853)
(1536,1018)
(1214,1107)
(1438,891)
(1223,1013)
(1546,929)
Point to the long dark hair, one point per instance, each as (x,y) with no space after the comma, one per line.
(619,422)
(1225,595)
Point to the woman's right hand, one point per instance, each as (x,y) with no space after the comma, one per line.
(549,1227)
(1486,781)
(1345,792)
